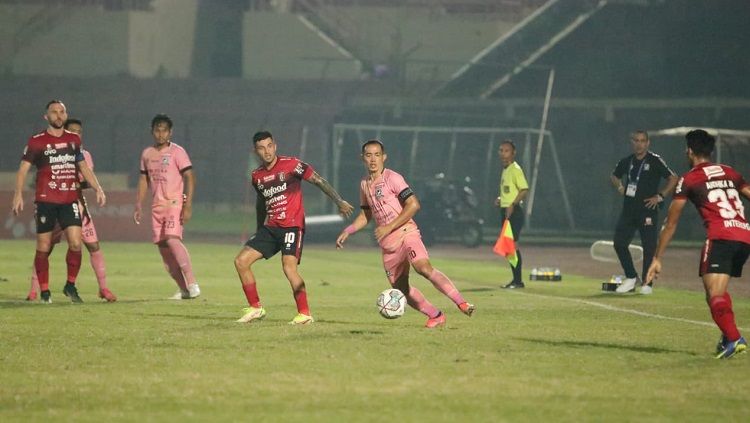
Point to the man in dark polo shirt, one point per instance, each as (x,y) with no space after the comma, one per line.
(637,178)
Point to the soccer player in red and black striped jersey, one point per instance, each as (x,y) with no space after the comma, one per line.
(56,153)
(281,223)
(716,192)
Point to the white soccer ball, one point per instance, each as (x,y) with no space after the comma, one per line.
(391,303)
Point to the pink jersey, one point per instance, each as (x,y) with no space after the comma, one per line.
(89,161)
(384,197)
(164,169)
(281,189)
(715,191)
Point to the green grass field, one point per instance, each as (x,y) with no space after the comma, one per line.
(554,352)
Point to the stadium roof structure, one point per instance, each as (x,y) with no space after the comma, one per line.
(723,135)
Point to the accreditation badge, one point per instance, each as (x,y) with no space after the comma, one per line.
(630,190)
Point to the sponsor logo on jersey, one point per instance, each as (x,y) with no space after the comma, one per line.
(49,150)
(64,158)
(270,192)
(733,223)
(52,185)
(269,178)
(277,199)
(61,145)
(713,171)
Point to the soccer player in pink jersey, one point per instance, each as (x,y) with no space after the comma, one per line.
(715,191)
(56,153)
(385,196)
(166,167)
(90,239)
(281,224)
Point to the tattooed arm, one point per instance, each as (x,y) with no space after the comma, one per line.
(345,209)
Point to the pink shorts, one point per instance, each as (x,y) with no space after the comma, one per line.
(88,231)
(402,249)
(166,222)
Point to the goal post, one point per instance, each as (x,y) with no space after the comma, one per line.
(456,151)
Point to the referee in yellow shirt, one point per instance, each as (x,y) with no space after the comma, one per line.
(513,190)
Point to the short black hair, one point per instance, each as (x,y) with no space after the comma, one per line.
(261,135)
(161,118)
(640,131)
(73,121)
(51,102)
(701,142)
(371,142)
(509,142)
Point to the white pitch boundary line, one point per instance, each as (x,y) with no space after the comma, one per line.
(626,310)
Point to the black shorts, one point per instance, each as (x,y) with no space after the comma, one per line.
(721,256)
(270,239)
(47,215)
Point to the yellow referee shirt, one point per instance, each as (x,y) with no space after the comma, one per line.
(512,180)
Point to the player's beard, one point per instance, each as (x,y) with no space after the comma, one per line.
(57,124)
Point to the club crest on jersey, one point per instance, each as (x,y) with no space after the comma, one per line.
(648,222)
(298,169)
(646,166)
(379,193)
(165,160)
(282,176)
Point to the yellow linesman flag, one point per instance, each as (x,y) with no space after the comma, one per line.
(505,246)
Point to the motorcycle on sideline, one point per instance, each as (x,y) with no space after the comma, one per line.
(449,212)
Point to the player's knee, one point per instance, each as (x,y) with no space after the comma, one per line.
(241,262)
(290,269)
(424,268)
(74,245)
(92,246)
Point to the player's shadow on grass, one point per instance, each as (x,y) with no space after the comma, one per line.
(613,295)
(477,289)
(606,345)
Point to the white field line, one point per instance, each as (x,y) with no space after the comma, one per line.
(626,310)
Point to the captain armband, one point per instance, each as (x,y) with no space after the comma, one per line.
(406,193)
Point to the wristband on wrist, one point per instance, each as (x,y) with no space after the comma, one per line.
(350,229)
(660,195)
